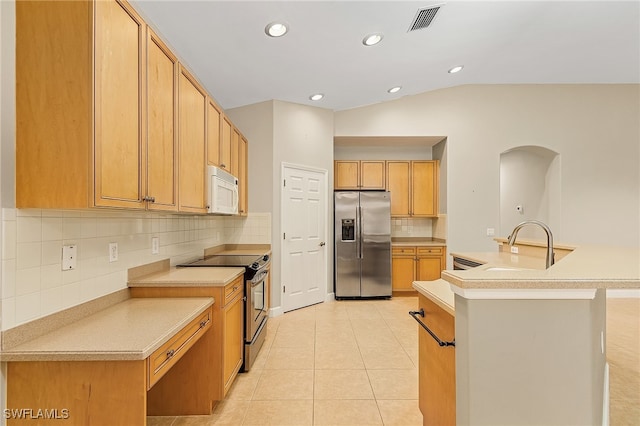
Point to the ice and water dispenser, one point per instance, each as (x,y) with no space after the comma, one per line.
(348,230)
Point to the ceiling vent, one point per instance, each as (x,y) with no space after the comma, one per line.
(424,17)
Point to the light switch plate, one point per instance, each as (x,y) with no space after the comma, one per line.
(155,245)
(491,232)
(514,249)
(69,256)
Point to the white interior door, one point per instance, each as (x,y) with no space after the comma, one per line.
(304,224)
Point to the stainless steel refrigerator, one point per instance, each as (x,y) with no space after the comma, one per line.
(362,244)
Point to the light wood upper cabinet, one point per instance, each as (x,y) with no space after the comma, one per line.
(225,144)
(414,188)
(235,152)
(74,150)
(359,174)
(398,183)
(243,177)
(192,104)
(214,130)
(162,116)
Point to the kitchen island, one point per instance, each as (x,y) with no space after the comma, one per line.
(530,343)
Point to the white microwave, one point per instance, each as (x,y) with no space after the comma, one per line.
(222,194)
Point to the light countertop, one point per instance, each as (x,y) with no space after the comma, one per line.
(439,292)
(417,242)
(586,267)
(130,330)
(188,277)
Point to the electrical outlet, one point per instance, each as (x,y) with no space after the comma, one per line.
(69,255)
(113,252)
(491,232)
(514,249)
(155,245)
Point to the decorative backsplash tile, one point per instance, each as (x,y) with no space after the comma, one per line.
(411,227)
(34,284)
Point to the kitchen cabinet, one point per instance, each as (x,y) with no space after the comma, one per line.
(80,96)
(436,366)
(162,116)
(243,177)
(192,105)
(235,152)
(415,263)
(227,331)
(359,174)
(414,188)
(225,144)
(214,133)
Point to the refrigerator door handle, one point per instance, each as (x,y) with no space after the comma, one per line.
(360,254)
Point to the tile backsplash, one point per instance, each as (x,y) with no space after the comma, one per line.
(34,284)
(411,227)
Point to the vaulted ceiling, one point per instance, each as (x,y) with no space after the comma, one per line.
(498,42)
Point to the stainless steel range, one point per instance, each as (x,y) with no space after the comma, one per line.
(255,307)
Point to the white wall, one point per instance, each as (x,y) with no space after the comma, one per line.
(300,135)
(382,152)
(594,128)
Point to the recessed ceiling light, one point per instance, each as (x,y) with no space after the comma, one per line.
(372,39)
(456,69)
(276,29)
(394,89)
(316,97)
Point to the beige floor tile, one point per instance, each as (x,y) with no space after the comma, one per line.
(229,412)
(363,310)
(394,384)
(194,421)
(336,357)
(160,420)
(284,384)
(290,358)
(342,384)
(244,386)
(400,412)
(624,413)
(338,340)
(380,339)
(303,324)
(346,412)
(279,413)
(385,358)
(293,339)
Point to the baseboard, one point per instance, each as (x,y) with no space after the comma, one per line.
(619,293)
(330,297)
(275,311)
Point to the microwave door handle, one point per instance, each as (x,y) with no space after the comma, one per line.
(236,198)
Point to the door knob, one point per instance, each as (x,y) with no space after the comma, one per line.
(322,244)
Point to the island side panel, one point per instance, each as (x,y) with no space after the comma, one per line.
(522,362)
(92,392)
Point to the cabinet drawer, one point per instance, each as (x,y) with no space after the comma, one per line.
(232,290)
(430,250)
(168,354)
(403,250)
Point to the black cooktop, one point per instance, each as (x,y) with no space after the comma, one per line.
(247,261)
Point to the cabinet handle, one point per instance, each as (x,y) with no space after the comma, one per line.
(203,323)
(415,314)
(150,199)
(223,166)
(171,353)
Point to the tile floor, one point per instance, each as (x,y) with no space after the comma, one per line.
(355,363)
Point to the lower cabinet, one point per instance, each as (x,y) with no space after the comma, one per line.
(226,336)
(436,366)
(421,263)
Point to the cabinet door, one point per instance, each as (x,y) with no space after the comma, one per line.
(424,188)
(429,267)
(214,117)
(233,342)
(436,367)
(191,182)
(402,272)
(346,174)
(162,140)
(243,185)
(235,152)
(119,97)
(398,173)
(372,175)
(225,144)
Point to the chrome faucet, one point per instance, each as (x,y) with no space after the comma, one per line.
(550,255)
